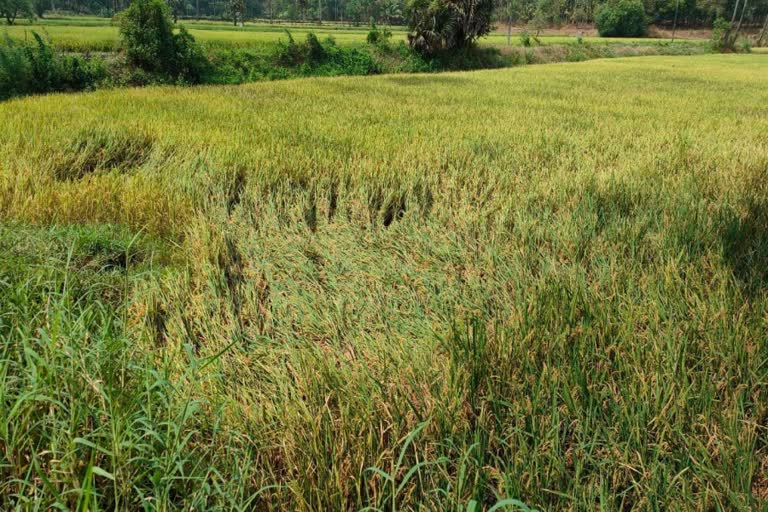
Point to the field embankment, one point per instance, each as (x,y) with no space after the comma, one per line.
(545,284)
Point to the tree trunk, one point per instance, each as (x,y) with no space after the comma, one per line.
(735,10)
(509,31)
(320,11)
(674,25)
(728,37)
(741,19)
(763,32)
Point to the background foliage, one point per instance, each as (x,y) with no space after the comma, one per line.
(622,18)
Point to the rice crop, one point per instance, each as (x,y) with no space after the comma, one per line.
(533,288)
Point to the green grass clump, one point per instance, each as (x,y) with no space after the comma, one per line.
(542,287)
(101,419)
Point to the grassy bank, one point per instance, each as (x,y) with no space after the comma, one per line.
(544,284)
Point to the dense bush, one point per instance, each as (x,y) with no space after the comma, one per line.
(151,45)
(438,25)
(473,57)
(189,62)
(323,58)
(37,68)
(291,59)
(623,18)
(721,35)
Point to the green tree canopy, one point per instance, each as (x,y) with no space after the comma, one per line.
(12,9)
(447,24)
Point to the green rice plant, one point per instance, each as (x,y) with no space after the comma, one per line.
(392,480)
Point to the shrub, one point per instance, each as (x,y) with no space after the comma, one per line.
(378,37)
(289,59)
(150,44)
(329,59)
(288,54)
(437,25)
(721,31)
(622,18)
(14,70)
(37,68)
(189,61)
(147,34)
(373,35)
(745,45)
(314,49)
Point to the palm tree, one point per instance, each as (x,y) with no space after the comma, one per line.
(392,11)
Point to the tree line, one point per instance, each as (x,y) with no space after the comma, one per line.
(688,13)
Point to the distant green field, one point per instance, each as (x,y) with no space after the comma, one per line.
(98,34)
